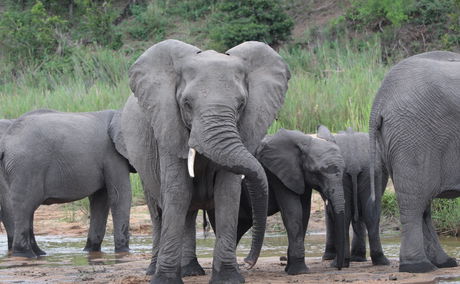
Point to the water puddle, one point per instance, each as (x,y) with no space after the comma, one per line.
(68,250)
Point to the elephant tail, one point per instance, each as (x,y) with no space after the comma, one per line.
(354,181)
(375,124)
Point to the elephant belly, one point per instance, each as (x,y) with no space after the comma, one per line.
(66,184)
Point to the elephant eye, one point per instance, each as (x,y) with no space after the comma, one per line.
(331,169)
(241,106)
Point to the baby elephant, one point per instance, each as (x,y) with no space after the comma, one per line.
(295,164)
(54,157)
(354,147)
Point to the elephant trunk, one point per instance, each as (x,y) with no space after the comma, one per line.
(354,182)
(216,137)
(338,206)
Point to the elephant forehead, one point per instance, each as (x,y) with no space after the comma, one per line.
(212,62)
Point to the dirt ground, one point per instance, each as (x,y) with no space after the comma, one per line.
(267,270)
(130,268)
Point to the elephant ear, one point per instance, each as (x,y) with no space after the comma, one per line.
(153,79)
(267,79)
(280,154)
(116,136)
(324,133)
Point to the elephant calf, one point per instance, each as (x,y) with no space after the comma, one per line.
(54,157)
(354,147)
(296,163)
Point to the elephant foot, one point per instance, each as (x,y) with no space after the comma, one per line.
(296,266)
(226,276)
(358,258)
(92,247)
(26,254)
(328,255)
(450,262)
(38,251)
(159,278)
(380,259)
(420,267)
(152,268)
(121,249)
(193,268)
(346,263)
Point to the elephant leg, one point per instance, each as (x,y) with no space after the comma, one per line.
(33,242)
(99,212)
(189,262)
(358,244)
(330,251)
(227,192)
(118,188)
(293,219)
(23,219)
(306,207)
(22,245)
(433,248)
(176,194)
(155,216)
(8,223)
(372,220)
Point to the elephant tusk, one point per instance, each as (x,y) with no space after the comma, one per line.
(326,202)
(242,176)
(191,162)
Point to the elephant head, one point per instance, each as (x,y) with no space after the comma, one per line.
(219,105)
(300,160)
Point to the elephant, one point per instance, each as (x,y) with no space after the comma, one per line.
(52,157)
(4,124)
(414,121)
(191,128)
(354,147)
(295,164)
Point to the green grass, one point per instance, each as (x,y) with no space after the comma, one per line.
(331,84)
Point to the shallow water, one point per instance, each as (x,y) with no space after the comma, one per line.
(68,250)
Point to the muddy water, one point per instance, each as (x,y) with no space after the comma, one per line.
(68,250)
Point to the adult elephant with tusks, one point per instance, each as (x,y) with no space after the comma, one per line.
(212,109)
(415,121)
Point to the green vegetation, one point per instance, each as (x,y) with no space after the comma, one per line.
(74,56)
(445,213)
(242,20)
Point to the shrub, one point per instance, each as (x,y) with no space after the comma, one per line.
(150,22)
(368,12)
(98,23)
(29,36)
(239,21)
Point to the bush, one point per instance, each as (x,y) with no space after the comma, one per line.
(371,12)
(98,23)
(239,21)
(29,36)
(150,22)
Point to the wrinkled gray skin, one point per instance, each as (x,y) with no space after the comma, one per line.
(54,157)
(295,164)
(7,222)
(415,121)
(221,105)
(354,147)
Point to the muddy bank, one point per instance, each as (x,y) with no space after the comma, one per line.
(131,269)
(62,233)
